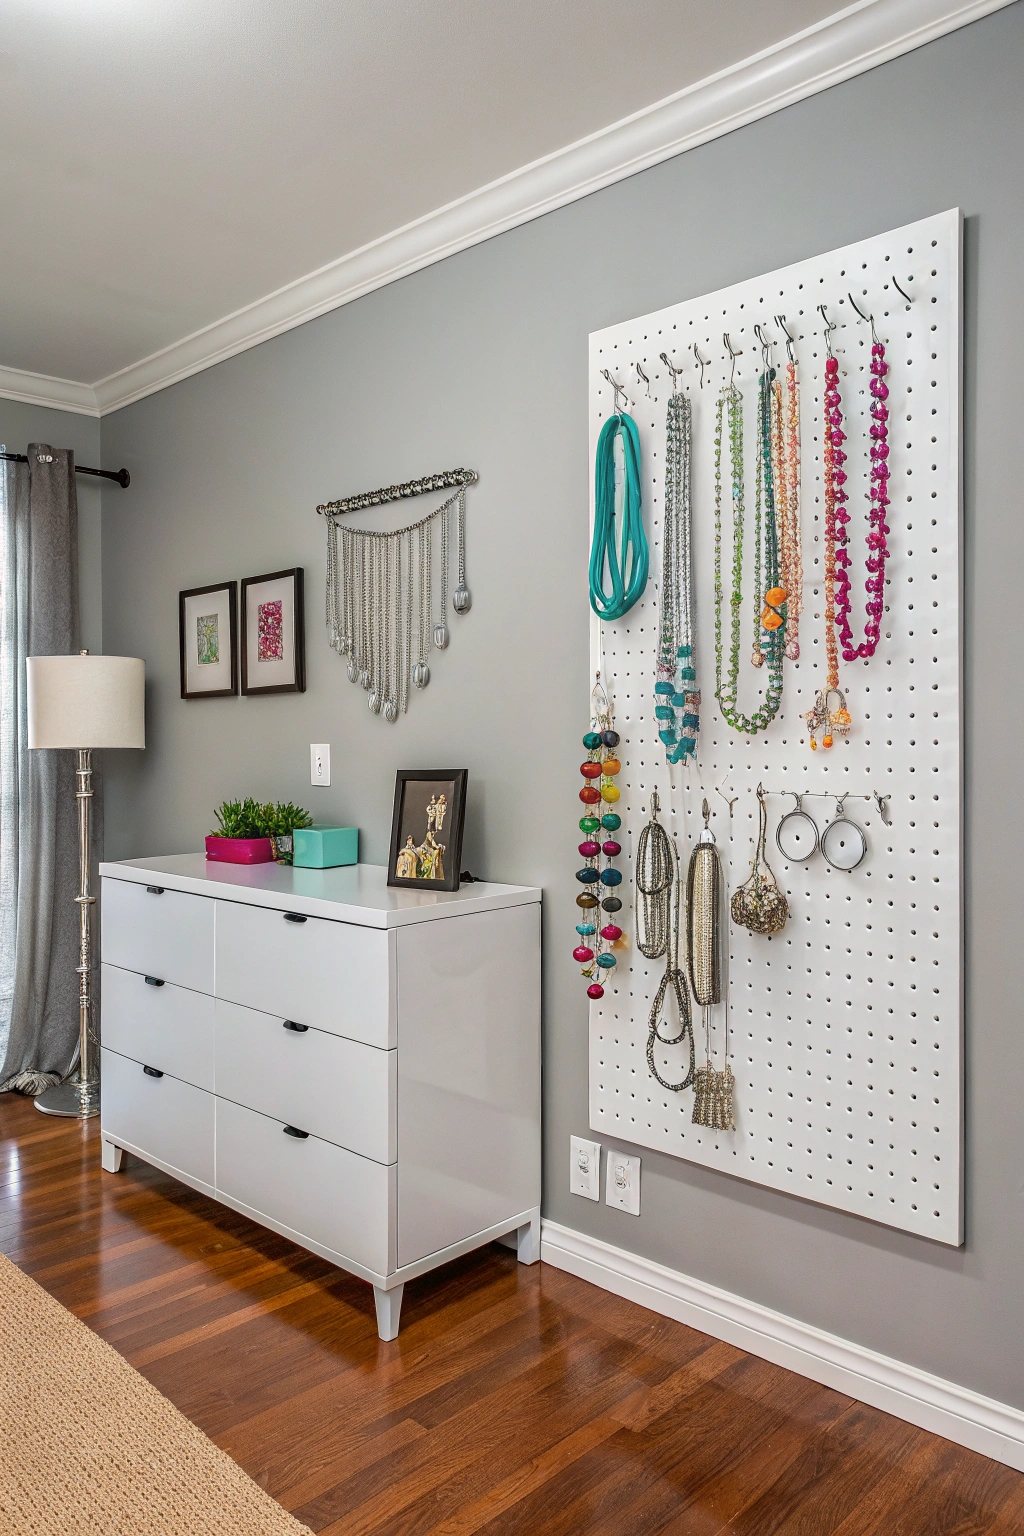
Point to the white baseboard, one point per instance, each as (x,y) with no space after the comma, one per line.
(958,1414)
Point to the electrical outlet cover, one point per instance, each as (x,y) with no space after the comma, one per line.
(585,1168)
(623,1184)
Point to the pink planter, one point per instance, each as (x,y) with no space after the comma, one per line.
(240,850)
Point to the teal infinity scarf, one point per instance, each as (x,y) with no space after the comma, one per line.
(631,554)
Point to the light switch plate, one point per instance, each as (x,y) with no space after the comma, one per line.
(623,1184)
(585,1168)
(320,763)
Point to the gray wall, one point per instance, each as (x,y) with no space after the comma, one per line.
(22,424)
(482,360)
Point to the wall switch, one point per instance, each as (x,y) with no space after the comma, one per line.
(320,763)
(623,1185)
(585,1168)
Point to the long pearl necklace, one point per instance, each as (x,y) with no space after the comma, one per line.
(380,598)
(677,698)
(767,635)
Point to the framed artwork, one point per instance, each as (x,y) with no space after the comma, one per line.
(207,618)
(426,828)
(273,633)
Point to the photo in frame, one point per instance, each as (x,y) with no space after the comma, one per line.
(273,640)
(207,623)
(426,828)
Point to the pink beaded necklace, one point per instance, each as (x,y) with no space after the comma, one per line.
(878,527)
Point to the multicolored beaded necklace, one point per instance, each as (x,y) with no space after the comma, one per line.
(821,717)
(599,793)
(786,470)
(677,698)
(770,606)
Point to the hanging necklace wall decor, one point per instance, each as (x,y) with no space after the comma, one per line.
(385,607)
(712,1089)
(677,698)
(600,825)
(657,933)
(786,471)
(619,555)
(770,606)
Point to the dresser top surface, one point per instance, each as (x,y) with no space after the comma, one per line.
(354,893)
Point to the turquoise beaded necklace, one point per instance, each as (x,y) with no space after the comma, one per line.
(624,559)
(677,697)
(768,642)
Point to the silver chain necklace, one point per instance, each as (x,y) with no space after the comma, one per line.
(380,598)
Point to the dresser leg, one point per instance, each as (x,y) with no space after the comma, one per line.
(389,1307)
(528,1239)
(111,1155)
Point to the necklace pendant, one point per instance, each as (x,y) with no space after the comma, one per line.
(374,702)
(364,679)
(420,674)
(353,671)
(440,636)
(391,711)
(461,600)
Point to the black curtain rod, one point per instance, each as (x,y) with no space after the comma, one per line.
(122,476)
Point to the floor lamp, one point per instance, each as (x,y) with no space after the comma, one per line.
(84,702)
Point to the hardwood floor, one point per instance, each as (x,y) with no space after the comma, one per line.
(514,1400)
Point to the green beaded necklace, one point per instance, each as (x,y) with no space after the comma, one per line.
(770,643)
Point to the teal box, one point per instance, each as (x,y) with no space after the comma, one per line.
(325,847)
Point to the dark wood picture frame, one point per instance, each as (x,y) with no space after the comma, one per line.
(454,779)
(231,587)
(298,632)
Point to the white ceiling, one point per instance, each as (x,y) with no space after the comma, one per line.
(167,162)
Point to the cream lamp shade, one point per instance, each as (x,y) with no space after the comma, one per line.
(86,701)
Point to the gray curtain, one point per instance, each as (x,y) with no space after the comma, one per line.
(38,837)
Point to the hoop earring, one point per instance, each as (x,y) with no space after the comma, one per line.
(801,839)
(843,843)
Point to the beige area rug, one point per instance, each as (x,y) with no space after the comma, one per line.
(89,1448)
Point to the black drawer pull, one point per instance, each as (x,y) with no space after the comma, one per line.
(292,1130)
(152,1072)
(297,1029)
(155,890)
(294,917)
(153,981)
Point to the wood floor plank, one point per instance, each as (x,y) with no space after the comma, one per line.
(516,1401)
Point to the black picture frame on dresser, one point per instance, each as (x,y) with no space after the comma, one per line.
(426,828)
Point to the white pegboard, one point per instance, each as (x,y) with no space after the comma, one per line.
(846,1028)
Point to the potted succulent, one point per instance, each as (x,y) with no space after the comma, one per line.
(281,820)
(250,833)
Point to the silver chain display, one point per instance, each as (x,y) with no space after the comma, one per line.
(380,598)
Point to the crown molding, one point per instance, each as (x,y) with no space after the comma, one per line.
(43,389)
(854,40)
(981,1423)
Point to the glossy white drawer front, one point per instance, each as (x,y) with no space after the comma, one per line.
(169,1120)
(319,1191)
(340,1090)
(165,1026)
(331,976)
(160,933)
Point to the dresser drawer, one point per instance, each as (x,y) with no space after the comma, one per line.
(165,1026)
(341,1090)
(317,1191)
(168,1119)
(332,976)
(159,933)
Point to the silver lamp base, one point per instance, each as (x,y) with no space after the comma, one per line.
(69,1100)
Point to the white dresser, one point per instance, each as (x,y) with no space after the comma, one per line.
(355,1066)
